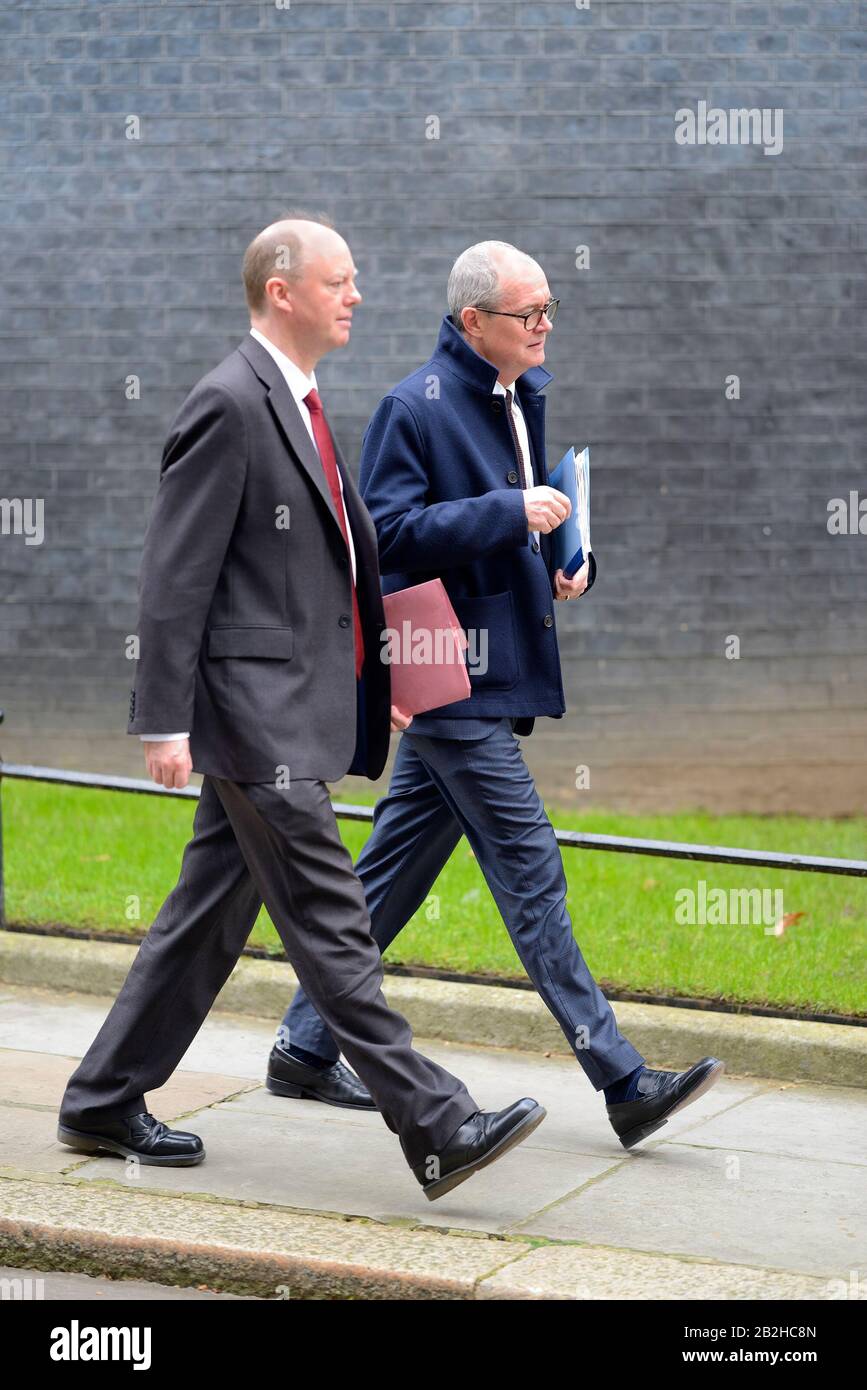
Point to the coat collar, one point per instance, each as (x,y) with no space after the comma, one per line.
(477,371)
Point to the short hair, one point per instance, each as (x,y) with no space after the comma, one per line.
(474,279)
(261,256)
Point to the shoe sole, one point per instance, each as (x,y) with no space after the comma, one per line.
(287,1088)
(515,1136)
(635,1136)
(90,1143)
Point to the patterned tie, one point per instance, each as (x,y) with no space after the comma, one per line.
(513,429)
(325,445)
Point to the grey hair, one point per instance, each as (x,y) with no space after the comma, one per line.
(474,278)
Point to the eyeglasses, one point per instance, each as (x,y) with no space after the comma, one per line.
(531,320)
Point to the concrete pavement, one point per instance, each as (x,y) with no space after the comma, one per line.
(756,1191)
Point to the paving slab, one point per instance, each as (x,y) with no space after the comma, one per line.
(39,1078)
(65,1023)
(742,1208)
(356,1169)
(561,1272)
(28,1138)
(797,1121)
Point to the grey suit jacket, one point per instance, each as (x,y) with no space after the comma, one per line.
(245,600)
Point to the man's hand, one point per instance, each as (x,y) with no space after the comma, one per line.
(546,508)
(574,587)
(399,720)
(169,763)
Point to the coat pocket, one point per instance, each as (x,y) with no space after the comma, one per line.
(492,654)
(276,643)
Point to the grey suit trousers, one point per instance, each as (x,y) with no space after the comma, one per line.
(254,842)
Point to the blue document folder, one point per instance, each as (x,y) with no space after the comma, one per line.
(572,538)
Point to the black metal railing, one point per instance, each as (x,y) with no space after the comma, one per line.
(568,839)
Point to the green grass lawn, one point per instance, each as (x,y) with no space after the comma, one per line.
(82,857)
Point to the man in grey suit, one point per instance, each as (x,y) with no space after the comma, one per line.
(259,626)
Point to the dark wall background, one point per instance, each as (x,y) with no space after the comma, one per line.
(556,130)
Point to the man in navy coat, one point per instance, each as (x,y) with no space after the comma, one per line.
(453,473)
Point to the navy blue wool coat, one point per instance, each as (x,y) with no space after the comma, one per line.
(442,482)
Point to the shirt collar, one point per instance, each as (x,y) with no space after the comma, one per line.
(299,383)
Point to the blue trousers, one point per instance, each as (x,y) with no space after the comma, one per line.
(440,789)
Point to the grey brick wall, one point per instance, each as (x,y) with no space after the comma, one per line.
(556,130)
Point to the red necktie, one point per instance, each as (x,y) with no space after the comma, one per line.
(325,445)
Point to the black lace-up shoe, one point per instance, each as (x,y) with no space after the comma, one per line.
(335,1085)
(660,1095)
(480,1140)
(137,1136)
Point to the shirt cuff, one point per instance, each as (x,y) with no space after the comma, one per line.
(161,738)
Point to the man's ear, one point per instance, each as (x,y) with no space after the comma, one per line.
(279,294)
(469,322)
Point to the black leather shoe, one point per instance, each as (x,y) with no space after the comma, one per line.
(335,1085)
(480,1140)
(660,1095)
(137,1136)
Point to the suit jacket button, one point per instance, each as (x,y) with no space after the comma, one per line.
(548,620)
(496,405)
(344,620)
(343,561)
(511,476)
(536,547)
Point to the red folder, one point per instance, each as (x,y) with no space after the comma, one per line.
(425,648)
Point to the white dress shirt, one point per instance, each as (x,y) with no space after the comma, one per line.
(300,384)
(521,431)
